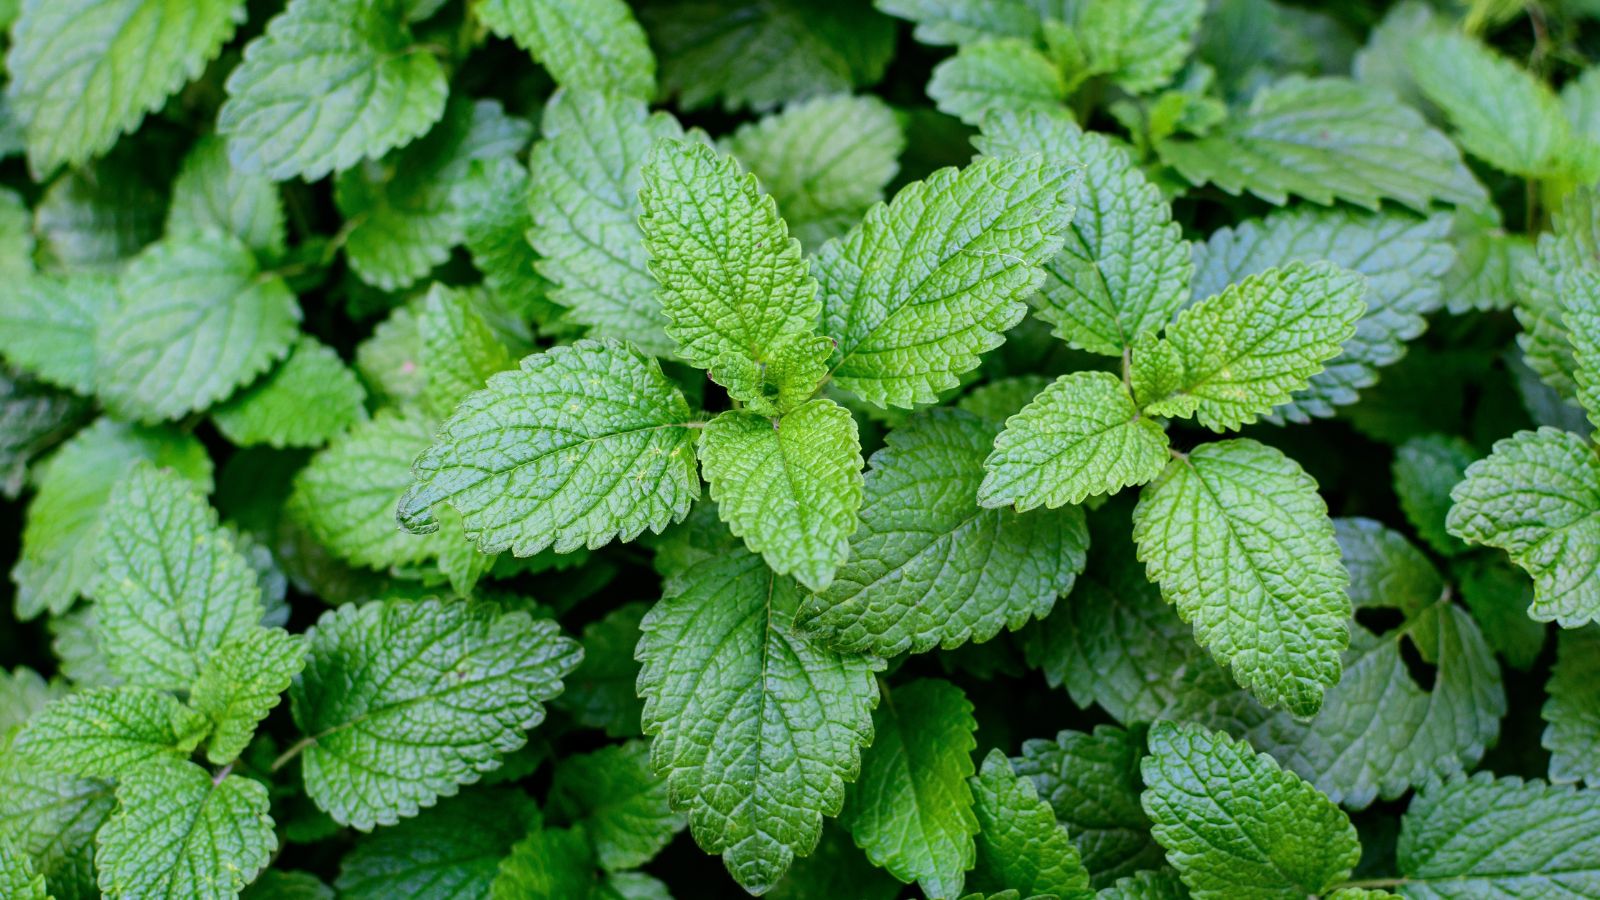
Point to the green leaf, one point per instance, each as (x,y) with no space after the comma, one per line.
(1236,825)
(579,445)
(965,21)
(17,879)
(911,809)
(16,236)
(1267,593)
(1125,267)
(1426,468)
(790,487)
(402,702)
(549,864)
(495,201)
(452,850)
(85,71)
(732,281)
(406,211)
(1138,44)
(1485,273)
(1537,497)
(241,683)
(928,568)
(925,284)
(1326,140)
(1002,74)
(307,400)
(825,161)
(92,219)
(33,419)
(1502,114)
(462,350)
(330,83)
(1091,782)
(1580,312)
(345,497)
(756,729)
(48,325)
(23,693)
(177,833)
(53,817)
(585,205)
(1572,710)
(1402,258)
(1020,844)
(62,532)
(1150,884)
(1082,436)
(284,884)
(1252,346)
(600,691)
(198,318)
(210,194)
(172,586)
(620,803)
(107,731)
(1498,594)
(1482,837)
(836,869)
(595,44)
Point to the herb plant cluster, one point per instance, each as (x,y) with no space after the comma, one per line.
(634,449)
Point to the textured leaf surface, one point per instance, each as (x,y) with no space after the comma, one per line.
(911,809)
(94,218)
(1580,312)
(1139,45)
(85,71)
(1328,140)
(48,324)
(177,834)
(241,683)
(594,44)
(790,487)
(1236,825)
(209,193)
(463,351)
(621,803)
(581,444)
(1426,469)
(107,731)
(1125,267)
(600,691)
(928,567)
(923,285)
(1240,542)
(965,21)
(53,818)
(584,199)
(549,864)
(173,587)
(1537,497)
(453,850)
(1252,346)
(197,319)
(328,84)
(495,199)
(1020,844)
(1004,74)
(1082,436)
(1573,708)
(17,879)
(305,401)
(756,729)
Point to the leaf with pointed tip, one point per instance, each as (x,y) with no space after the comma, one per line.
(1020,844)
(594,44)
(241,683)
(107,731)
(621,804)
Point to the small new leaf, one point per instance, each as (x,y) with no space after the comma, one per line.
(241,683)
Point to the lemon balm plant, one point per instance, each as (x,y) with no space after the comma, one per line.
(598,448)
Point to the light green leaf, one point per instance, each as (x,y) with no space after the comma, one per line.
(925,284)
(53,818)
(825,161)
(1240,542)
(16,236)
(1537,497)
(1572,710)
(179,834)
(585,204)
(402,701)
(1003,74)
(1482,837)
(17,880)
(1488,261)
(1020,844)
(1252,346)
(107,731)
(756,729)
(241,683)
(462,350)
(198,318)
(495,201)
(23,693)
(965,21)
(594,44)
(1326,140)
(1236,825)
(210,193)
(1125,268)
(172,586)
(621,804)
(85,71)
(1425,469)
(549,864)
(600,691)
(1402,258)
(1580,312)
(911,809)
(407,210)
(330,83)
(580,445)
(732,281)
(790,487)
(48,325)
(928,568)
(1082,436)
(309,399)
(1561,274)
(92,219)
(452,850)
(1138,44)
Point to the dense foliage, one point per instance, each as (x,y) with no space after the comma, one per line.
(949,448)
